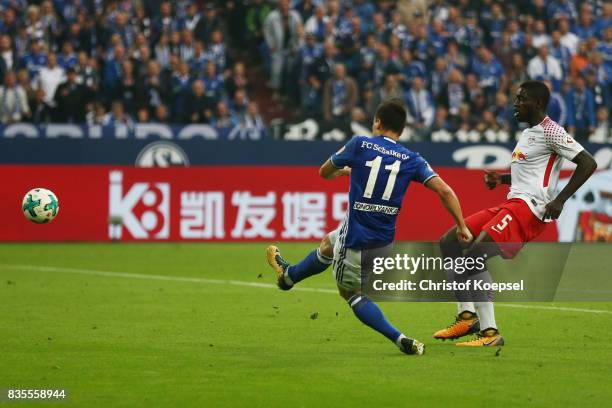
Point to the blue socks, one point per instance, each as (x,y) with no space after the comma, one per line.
(371,315)
(313,264)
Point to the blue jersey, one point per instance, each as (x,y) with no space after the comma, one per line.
(381,170)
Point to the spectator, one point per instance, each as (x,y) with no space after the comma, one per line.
(464,121)
(601,89)
(579,61)
(454,93)
(323,66)
(557,107)
(441,123)
(490,73)
(239,104)
(116,116)
(369,103)
(237,80)
(560,52)
(421,108)
(40,111)
(161,114)
(214,83)
(71,98)
(199,106)
(13,100)
(390,90)
(602,133)
(339,96)
(505,51)
(565,9)
(280,32)
(49,79)
(8,60)
(544,67)
(207,24)
(517,72)
(143,116)
(252,118)
(455,58)
(569,39)
(35,59)
(23,79)
(224,118)
(256,14)
(502,111)
(315,25)
(494,25)
(151,90)
(438,77)
(181,87)
(586,28)
(540,36)
(581,110)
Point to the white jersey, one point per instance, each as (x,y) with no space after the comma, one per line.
(536,163)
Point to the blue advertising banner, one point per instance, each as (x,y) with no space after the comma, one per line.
(158,145)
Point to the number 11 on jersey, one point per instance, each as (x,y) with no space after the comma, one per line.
(375,166)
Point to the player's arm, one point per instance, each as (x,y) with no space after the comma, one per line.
(585,166)
(492,179)
(328,171)
(451,203)
(339,163)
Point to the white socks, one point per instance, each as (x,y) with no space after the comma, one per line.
(398,341)
(465,306)
(486,314)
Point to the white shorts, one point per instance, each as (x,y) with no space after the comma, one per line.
(347,261)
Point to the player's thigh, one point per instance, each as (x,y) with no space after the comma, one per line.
(347,268)
(477,221)
(505,231)
(326,247)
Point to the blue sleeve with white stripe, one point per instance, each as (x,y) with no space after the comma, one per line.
(423,171)
(345,156)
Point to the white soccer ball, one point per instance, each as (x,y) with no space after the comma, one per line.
(40,205)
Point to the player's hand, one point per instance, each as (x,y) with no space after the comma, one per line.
(492,179)
(346,171)
(553,209)
(464,235)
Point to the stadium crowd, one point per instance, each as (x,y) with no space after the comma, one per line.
(109,62)
(454,63)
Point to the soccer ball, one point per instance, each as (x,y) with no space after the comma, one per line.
(40,205)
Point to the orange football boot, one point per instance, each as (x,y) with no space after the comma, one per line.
(465,323)
(488,337)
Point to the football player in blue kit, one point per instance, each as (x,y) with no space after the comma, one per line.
(380,171)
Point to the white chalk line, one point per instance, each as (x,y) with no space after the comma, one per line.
(125,275)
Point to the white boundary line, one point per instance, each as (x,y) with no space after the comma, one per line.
(125,275)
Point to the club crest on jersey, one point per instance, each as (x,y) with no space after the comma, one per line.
(569,140)
(530,141)
(517,156)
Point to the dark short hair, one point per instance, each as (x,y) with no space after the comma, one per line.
(538,91)
(392,115)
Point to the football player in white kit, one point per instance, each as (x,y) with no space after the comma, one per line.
(503,230)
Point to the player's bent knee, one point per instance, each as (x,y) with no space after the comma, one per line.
(346,294)
(449,236)
(326,248)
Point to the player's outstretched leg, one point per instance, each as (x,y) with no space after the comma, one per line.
(370,314)
(314,263)
(484,247)
(466,322)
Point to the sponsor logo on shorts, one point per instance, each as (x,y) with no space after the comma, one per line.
(375,208)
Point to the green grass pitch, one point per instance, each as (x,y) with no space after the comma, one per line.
(164,328)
